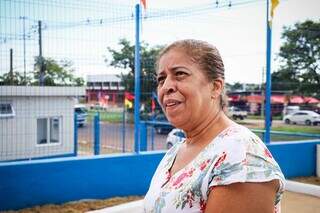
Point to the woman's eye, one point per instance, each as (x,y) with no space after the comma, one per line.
(180,73)
(160,79)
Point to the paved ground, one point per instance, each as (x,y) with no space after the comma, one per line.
(291,203)
(299,203)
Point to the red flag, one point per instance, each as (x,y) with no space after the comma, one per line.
(144,3)
(153,105)
(128,96)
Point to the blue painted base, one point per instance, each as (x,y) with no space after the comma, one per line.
(29,183)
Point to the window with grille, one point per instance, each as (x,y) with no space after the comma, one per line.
(6,110)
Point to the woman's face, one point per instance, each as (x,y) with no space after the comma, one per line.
(184,91)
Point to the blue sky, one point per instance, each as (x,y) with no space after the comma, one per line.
(81,30)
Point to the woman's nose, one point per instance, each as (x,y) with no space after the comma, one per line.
(169,86)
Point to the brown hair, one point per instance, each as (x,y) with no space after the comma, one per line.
(203,54)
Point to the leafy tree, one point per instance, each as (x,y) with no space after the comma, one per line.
(124,58)
(56,74)
(300,58)
(16,79)
(234,87)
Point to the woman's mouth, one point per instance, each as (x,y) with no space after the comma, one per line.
(171,104)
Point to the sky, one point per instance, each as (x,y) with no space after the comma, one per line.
(81,31)
(240,33)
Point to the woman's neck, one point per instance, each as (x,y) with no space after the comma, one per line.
(208,129)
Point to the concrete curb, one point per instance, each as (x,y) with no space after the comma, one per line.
(132,207)
(303,188)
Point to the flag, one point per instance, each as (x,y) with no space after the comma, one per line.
(274,4)
(128,99)
(127,103)
(153,105)
(128,96)
(144,3)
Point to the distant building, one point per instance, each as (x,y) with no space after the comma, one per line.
(105,90)
(253,101)
(37,122)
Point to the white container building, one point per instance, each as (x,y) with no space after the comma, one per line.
(37,122)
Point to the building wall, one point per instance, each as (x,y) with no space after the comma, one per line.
(18,134)
(115,97)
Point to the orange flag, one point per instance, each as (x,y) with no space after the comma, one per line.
(144,3)
(274,4)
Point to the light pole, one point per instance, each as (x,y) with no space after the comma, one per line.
(24,48)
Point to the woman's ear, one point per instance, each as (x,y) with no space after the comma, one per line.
(217,88)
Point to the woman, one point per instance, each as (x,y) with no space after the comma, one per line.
(220,166)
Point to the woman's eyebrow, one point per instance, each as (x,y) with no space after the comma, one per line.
(174,69)
(159,73)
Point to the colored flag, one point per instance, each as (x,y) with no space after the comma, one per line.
(128,96)
(153,105)
(144,3)
(274,4)
(127,103)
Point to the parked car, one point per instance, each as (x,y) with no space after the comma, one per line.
(162,125)
(82,114)
(98,106)
(175,136)
(302,117)
(235,113)
(290,109)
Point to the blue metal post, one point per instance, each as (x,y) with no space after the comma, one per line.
(75,136)
(268,81)
(124,130)
(143,136)
(152,132)
(96,130)
(155,98)
(137,81)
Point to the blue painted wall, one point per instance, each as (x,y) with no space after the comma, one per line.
(25,184)
(295,158)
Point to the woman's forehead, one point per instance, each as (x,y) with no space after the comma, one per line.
(174,58)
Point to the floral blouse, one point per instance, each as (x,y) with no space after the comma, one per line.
(235,155)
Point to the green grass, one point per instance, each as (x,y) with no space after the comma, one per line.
(277,137)
(258,117)
(112,117)
(294,128)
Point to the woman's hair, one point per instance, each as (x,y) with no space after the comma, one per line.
(205,55)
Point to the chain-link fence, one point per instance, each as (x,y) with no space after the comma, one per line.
(67,72)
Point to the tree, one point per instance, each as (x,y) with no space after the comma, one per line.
(16,79)
(300,58)
(124,58)
(56,74)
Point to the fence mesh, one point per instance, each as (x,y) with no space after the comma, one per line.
(82,53)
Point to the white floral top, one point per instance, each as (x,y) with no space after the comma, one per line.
(235,155)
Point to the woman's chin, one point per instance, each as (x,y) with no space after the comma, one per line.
(176,122)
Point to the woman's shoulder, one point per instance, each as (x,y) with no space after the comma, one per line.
(236,134)
(238,139)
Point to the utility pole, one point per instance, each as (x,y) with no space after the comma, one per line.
(11,67)
(24,48)
(41,80)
